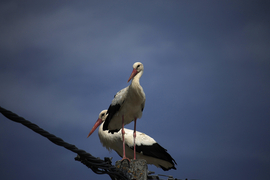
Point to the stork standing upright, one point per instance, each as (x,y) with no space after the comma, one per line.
(127,106)
(147,147)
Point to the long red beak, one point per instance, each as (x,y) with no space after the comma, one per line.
(99,121)
(134,72)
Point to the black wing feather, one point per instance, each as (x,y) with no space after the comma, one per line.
(116,104)
(111,112)
(156,151)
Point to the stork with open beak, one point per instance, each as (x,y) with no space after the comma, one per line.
(146,147)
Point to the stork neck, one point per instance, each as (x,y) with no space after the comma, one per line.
(100,129)
(101,133)
(136,79)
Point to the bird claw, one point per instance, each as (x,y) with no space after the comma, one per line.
(125,162)
(125,158)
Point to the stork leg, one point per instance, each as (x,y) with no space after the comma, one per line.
(134,137)
(123,137)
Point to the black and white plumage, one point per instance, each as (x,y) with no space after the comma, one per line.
(127,105)
(146,147)
(128,102)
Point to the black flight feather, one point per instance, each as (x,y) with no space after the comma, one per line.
(156,151)
(111,112)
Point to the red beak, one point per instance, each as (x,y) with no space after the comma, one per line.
(134,72)
(99,121)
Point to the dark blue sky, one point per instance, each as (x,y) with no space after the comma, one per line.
(206,80)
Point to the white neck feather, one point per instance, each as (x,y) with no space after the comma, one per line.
(136,79)
(108,139)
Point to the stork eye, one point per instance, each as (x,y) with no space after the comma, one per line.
(102,114)
(138,66)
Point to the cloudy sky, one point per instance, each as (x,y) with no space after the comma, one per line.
(206,80)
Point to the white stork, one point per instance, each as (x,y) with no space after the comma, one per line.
(127,106)
(146,147)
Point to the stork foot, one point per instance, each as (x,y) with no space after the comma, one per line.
(125,158)
(125,162)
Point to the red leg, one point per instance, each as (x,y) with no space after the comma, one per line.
(123,137)
(134,137)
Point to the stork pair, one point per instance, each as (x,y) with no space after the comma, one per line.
(127,106)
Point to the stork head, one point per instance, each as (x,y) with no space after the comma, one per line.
(137,67)
(101,118)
